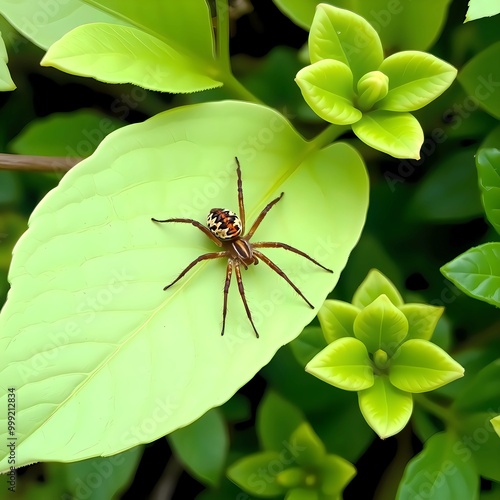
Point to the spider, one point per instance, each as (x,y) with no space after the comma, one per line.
(227,231)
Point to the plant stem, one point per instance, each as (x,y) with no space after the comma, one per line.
(327,136)
(223,55)
(27,163)
(436,409)
(222,34)
(238,89)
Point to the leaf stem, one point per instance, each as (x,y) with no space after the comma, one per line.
(328,135)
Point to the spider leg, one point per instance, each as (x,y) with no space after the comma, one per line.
(197,224)
(275,268)
(240,196)
(242,294)
(206,256)
(275,244)
(261,216)
(229,272)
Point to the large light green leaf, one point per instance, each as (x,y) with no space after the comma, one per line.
(343,363)
(477,272)
(440,471)
(386,408)
(122,54)
(327,87)
(345,37)
(420,366)
(415,79)
(481,8)
(101,357)
(397,134)
(187,24)
(202,446)
(480,78)
(46,22)
(488,168)
(402,24)
(6,82)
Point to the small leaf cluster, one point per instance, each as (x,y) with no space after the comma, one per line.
(380,347)
(293,463)
(350,83)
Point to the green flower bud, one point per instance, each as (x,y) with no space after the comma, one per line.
(292,478)
(372,87)
(380,359)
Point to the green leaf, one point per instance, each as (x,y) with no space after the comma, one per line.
(327,87)
(256,474)
(374,285)
(187,23)
(477,272)
(445,194)
(310,451)
(202,447)
(395,22)
(307,344)
(301,12)
(480,78)
(415,80)
(481,394)
(87,300)
(495,422)
(111,474)
(439,472)
(481,8)
(422,319)
(420,366)
(121,54)
(6,82)
(46,22)
(397,134)
(74,134)
(345,37)
(479,441)
(336,319)
(303,494)
(337,473)
(381,325)
(488,168)
(276,421)
(385,408)
(344,364)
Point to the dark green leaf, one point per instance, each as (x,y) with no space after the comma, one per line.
(202,446)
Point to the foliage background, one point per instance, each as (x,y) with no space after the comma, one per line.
(422,213)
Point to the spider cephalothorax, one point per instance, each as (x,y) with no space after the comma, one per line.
(227,230)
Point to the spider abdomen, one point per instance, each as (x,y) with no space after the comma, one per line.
(224,224)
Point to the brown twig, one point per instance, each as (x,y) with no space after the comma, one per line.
(28,163)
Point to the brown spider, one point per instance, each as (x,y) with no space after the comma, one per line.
(227,230)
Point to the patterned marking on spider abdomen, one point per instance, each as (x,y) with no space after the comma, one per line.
(226,225)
